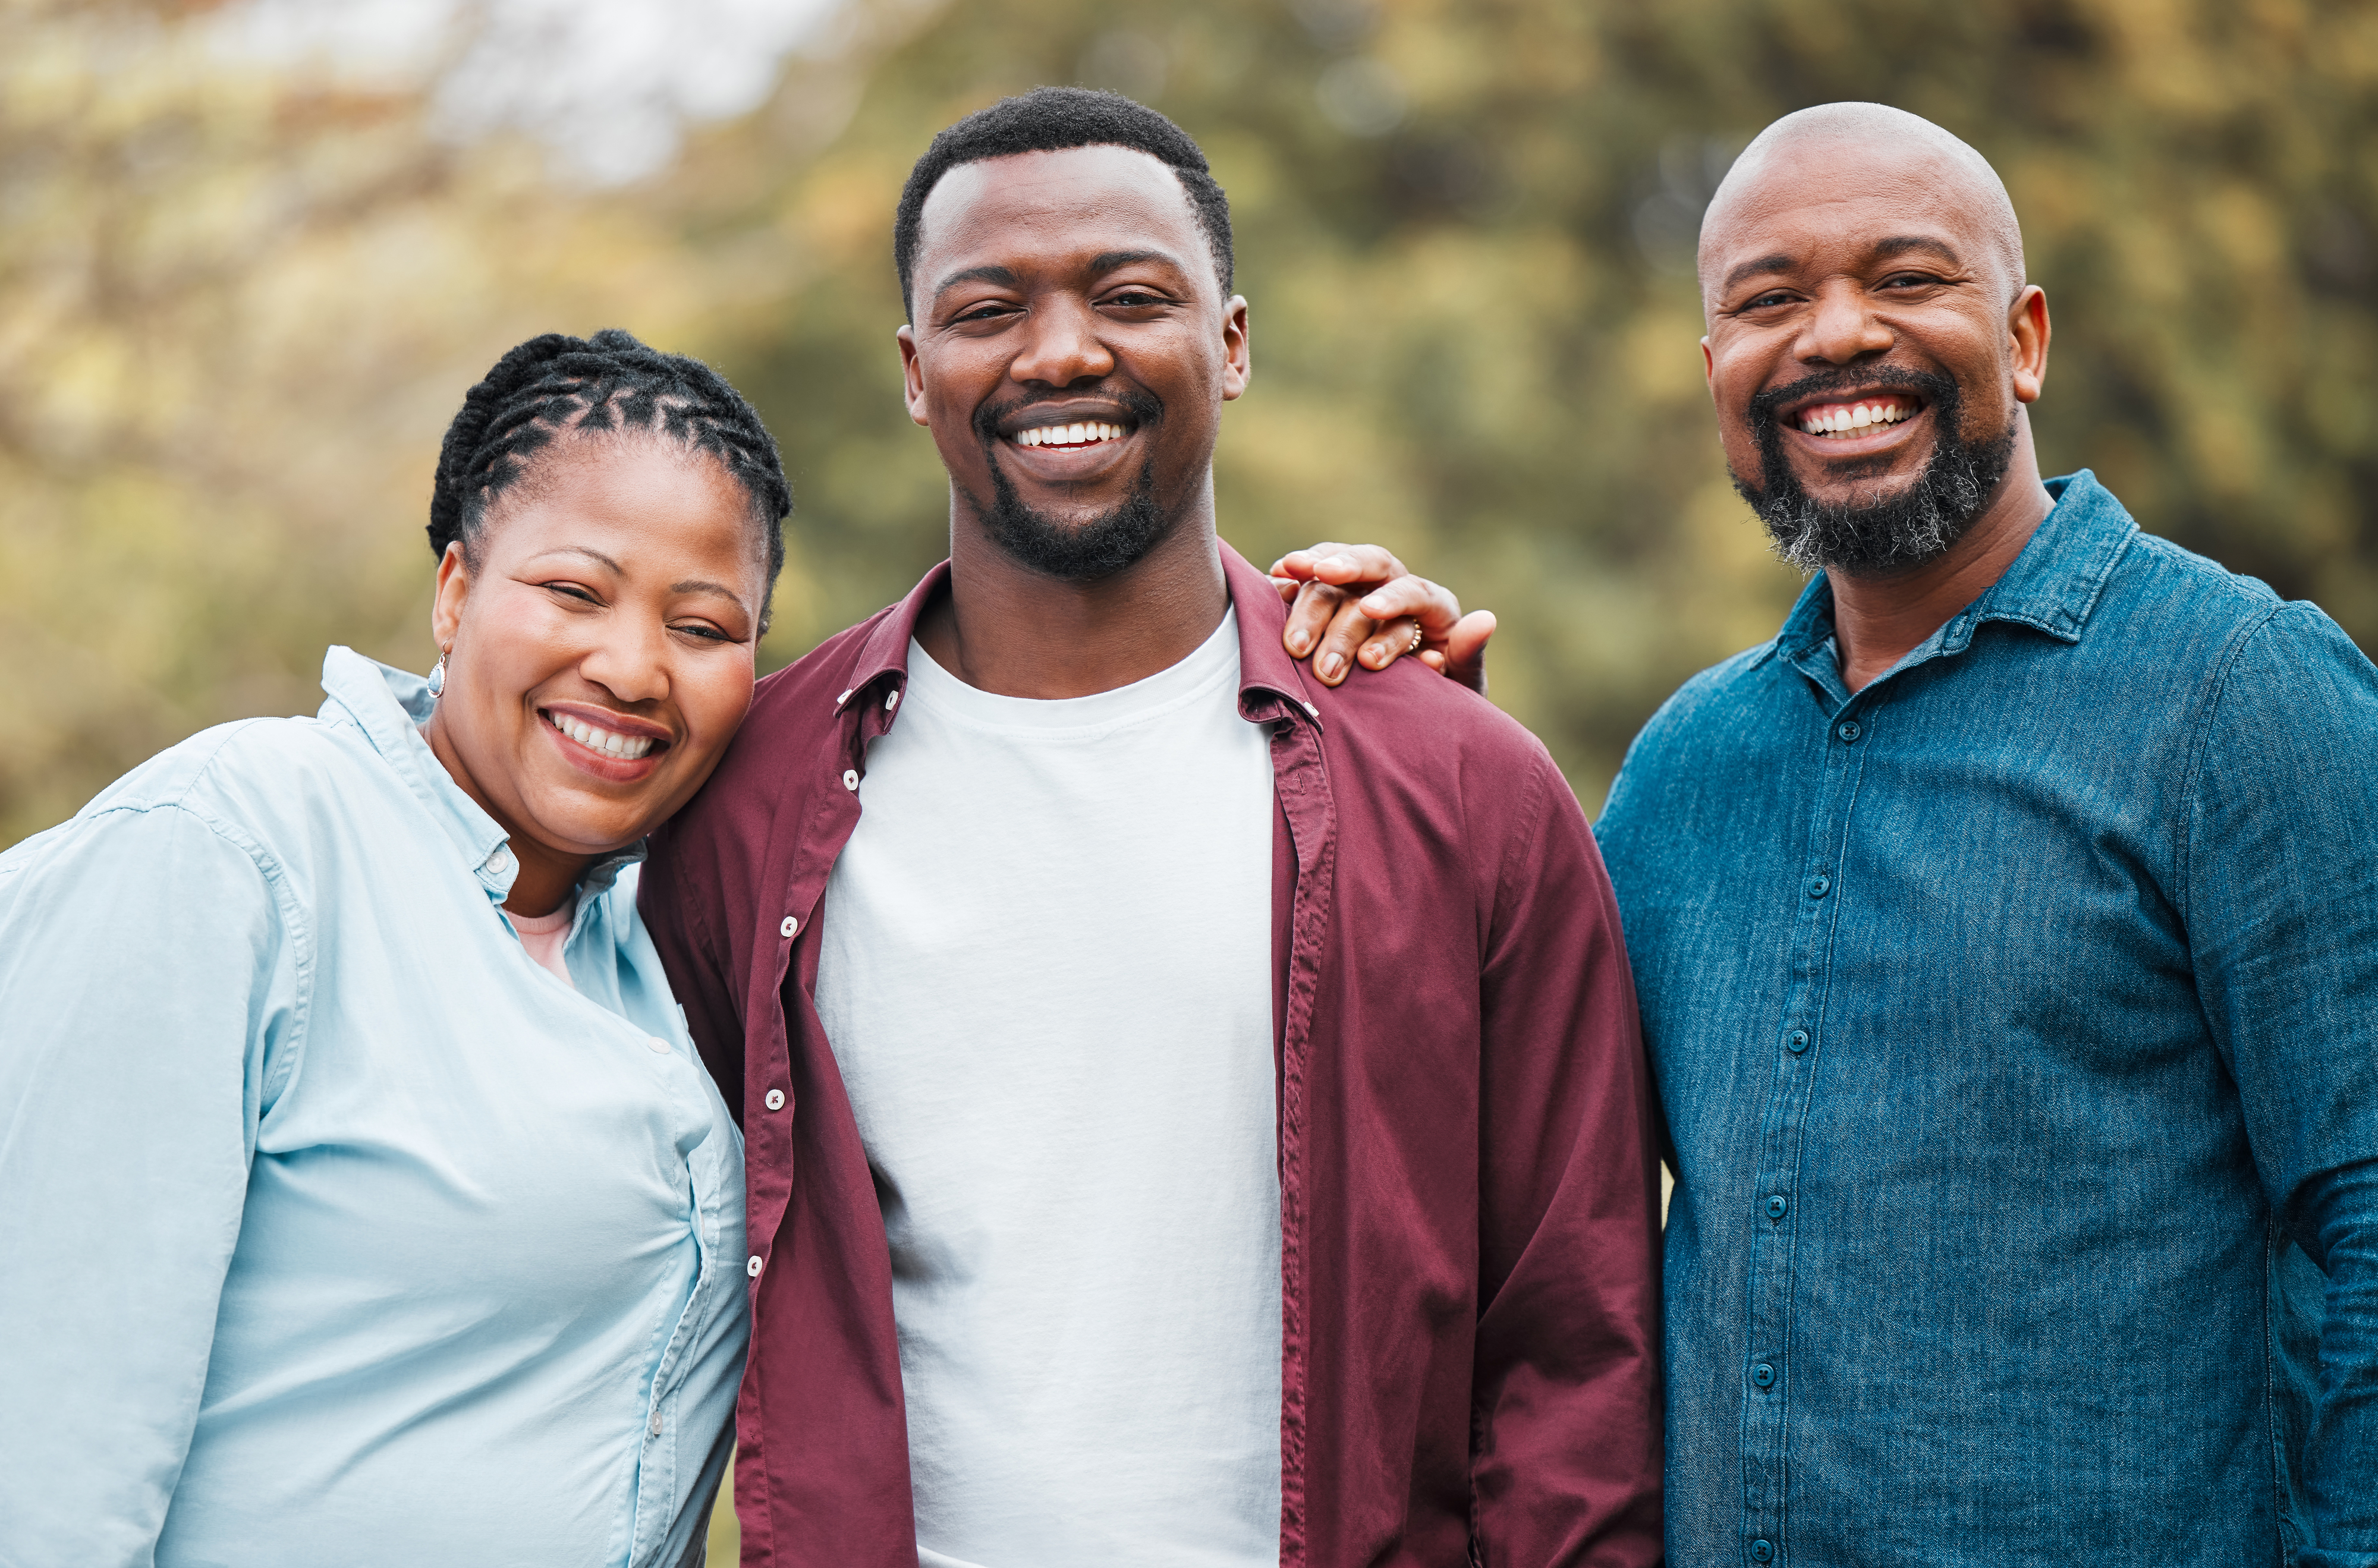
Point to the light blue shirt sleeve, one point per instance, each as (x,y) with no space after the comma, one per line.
(334,1228)
(154,968)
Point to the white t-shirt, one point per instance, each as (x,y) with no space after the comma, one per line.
(1046,974)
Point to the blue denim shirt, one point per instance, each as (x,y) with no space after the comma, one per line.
(2016,1022)
(333,1228)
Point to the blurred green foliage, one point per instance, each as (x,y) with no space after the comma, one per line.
(236,311)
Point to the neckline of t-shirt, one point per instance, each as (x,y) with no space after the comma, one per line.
(542,925)
(1212,663)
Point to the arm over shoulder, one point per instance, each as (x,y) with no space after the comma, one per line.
(152,1002)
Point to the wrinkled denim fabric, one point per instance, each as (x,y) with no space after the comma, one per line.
(2016,1024)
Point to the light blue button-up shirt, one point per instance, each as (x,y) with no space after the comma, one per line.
(337,1230)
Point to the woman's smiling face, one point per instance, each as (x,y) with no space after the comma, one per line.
(600,647)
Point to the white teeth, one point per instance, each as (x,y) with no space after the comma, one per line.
(1082,434)
(1858,416)
(624,746)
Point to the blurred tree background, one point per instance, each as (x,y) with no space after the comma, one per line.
(243,287)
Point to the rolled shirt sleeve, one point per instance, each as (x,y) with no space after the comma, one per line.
(151,968)
(2281,905)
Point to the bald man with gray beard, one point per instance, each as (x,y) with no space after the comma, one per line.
(2006,929)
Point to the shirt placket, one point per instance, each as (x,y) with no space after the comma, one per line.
(1798,1049)
(1302,791)
(866,712)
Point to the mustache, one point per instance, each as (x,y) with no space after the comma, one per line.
(1937,391)
(1144,406)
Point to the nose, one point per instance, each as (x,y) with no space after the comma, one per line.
(629,660)
(1061,343)
(1842,327)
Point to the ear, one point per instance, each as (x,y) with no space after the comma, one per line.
(1236,365)
(2027,334)
(454,587)
(1709,370)
(912,375)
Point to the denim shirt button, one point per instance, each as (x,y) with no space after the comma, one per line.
(1762,1374)
(1797,1041)
(1819,885)
(1776,1205)
(1849,731)
(1761,1552)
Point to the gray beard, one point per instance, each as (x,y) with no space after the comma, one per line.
(1873,534)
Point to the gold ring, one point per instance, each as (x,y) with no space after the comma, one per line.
(1416,640)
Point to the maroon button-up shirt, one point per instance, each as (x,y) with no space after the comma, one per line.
(1468,1202)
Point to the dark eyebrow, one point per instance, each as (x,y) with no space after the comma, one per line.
(1900,244)
(1005,276)
(1107,261)
(691,585)
(696,585)
(1779,262)
(1897,245)
(616,570)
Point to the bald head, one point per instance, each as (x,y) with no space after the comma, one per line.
(1846,152)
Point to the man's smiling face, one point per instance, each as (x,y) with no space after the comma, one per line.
(1867,347)
(1071,351)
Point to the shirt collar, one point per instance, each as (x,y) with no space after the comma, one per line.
(390,706)
(2053,586)
(1265,667)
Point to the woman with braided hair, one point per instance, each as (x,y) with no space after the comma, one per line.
(366,1202)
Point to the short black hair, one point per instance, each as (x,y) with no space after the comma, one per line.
(1051,119)
(610,382)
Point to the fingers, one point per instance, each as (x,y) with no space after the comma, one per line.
(1297,565)
(1432,606)
(1393,641)
(1352,604)
(1341,566)
(1319,583)
(1333,660)
(1465,650)
(1316,605)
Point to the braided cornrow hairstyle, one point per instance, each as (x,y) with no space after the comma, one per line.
(555,384)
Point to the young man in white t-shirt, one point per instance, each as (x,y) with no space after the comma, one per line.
(1194,1117)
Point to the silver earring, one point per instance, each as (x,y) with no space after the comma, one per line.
(438,679)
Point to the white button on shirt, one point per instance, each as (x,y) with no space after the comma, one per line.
(415,1244)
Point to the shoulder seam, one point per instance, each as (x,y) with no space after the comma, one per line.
(1525,831)
(2200,745)
(292,916)
(2180,556)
